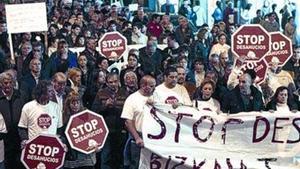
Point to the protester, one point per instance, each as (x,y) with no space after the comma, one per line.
(109,103)
(40,107)
(244,97)
(169,92)
(75,159)
(133,112)
(282,101)
(11,103)
(203,97)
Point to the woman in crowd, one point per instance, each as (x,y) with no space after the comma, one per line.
(75,159)
(282,101)
(132,65)
(203,97)
(74,81)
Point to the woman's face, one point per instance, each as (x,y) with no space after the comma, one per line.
(199,67)
(75,105)
(104,64)
(207,91)
(81,41)
(101,77)
(222,39)
(77,78)
(132,61)
(82,61)
(282,96)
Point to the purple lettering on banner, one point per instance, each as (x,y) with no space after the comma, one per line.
(243,166)
(267,161)
(267,129)
(168,162)
(217,165)
(154,161)
(195,128)
(199,165)
(183,159)
(229,121)
(178,120)
(162,125)
(276,127)
(229,163)
(297,128)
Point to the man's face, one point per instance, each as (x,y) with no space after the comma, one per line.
(59,84)
(148,87)
(244,83)
(181,75)
(63,48)
(26,49)
(113,83)
(3,27)
(224,58)
(282,96)
(297,53)
(37,52)
(136,30)
(7,85)
(91,44)
(77,31)
(183,23)
(171,79)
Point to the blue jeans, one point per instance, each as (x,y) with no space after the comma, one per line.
(132,153)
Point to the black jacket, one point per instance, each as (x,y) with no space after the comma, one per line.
(233,102)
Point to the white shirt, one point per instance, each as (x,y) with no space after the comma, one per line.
(177,94)
(39,118)
(211,104)
(218,49)
(134,109)
(140,40)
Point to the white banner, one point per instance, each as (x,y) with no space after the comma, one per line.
(187,138)
(30,17)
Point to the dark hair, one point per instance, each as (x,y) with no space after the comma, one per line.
(111,74)
(169,70)
(100,59)
(198,92)
(38,44)
(75,26)
(154,16)
(290,101)
(138,25)
(41,89)
(172,36)
(257,11)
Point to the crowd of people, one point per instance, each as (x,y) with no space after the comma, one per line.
(46,79)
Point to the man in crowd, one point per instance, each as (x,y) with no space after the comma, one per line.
(109,103)
(133,112)
(244,97)
(41,107)
(31,79)
(11,103)
(169,92)
(59,82)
